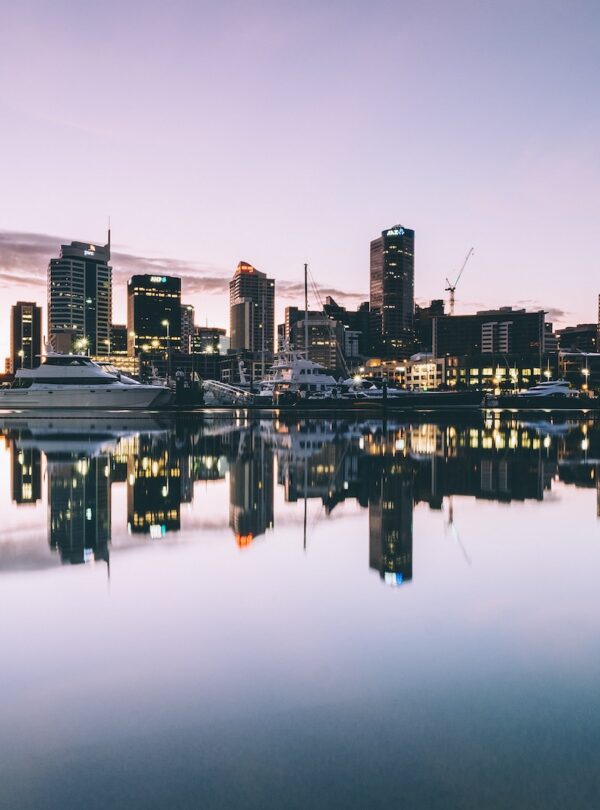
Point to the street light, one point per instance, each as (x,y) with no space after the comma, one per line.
(166,324)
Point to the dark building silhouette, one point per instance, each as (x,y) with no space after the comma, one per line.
(424,324)
(392,297)
(499,331)
(80,298)
(154,314)
(580,338)
(118,339)
(187,328)
(25,335)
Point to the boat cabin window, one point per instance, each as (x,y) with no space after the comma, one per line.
(66,360)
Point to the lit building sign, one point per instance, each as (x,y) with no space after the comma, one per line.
(398,231)
(158,279)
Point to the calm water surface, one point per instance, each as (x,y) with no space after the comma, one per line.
(232,613)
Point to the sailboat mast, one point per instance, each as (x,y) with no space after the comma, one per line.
(306,309)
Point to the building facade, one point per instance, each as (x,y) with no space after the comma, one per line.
(392,296)
(498,332)
(252,310)
(118,339)
(187,328)
(80,298)
(25,335)
(209,340)
(153,314)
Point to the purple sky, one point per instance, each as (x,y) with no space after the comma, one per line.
(280,132)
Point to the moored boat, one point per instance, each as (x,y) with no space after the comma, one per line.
(71,381)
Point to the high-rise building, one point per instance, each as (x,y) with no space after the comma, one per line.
(80,297)
(153,313)
(25,335)
(252,310)
(392,290)
(187,328)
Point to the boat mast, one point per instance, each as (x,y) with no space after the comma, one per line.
(306,310)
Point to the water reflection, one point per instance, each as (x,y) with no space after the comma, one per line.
(386,468)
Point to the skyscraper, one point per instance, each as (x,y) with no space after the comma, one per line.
(25,335)
(154,313)
(80,297)
(252,310)
(392,290)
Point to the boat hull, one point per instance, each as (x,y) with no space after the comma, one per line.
(551,403)
(136,397)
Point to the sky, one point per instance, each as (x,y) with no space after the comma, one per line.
(284,132)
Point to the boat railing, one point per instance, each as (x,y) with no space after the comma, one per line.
(221,390)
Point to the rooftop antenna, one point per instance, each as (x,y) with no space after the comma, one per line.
(451,288)
(109,236)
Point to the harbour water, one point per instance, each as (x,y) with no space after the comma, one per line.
(229,612)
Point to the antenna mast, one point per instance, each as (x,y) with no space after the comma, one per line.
(306,310)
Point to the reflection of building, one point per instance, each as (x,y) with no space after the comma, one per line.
(79,508)
(251,490)
(26,474)
(25,335)
(154,313)
(391,520)
(80,298)
(252,310)
(153,488)
(392,290)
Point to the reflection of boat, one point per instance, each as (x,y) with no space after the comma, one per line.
(59,438)
(68,381)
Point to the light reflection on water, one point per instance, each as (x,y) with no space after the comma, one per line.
(260,613)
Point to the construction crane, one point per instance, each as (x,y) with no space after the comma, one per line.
(451,288)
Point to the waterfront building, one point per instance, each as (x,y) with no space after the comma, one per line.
(153,314)
(500,331)
(361,323)
(187,328)
(25,335)
(252,310)
(80,298)
(582,338)
(392,299)
(424,371)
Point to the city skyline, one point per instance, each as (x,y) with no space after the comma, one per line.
(485,160)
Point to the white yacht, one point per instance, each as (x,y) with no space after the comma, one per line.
(67,381)
(549,388)
(293,372)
